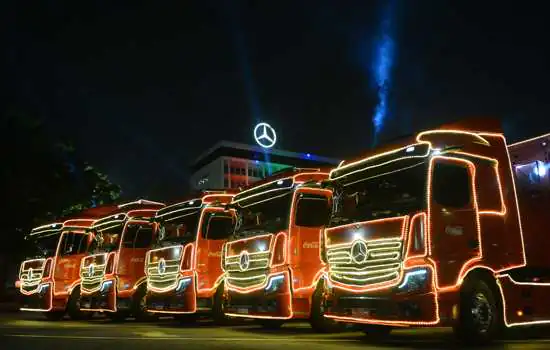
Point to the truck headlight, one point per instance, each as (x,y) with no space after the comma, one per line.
(275,282)
(182,284)
(414,280)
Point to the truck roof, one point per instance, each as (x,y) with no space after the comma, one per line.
(466,134)
(83,219)
(195,202)
(281,181)
(140,208)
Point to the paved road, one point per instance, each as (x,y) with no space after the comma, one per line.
(23,331)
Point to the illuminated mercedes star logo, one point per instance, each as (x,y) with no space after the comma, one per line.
(359,252)
(30,272)
(244,261)
(265,135)
(162,266)
(91,269)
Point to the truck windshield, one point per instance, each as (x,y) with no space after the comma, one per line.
(262,216)
(179,230)
(379,196)
(46,246)
(138,235)
(106,240)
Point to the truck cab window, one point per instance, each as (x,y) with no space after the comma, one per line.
(73,243)
(451,185)
(138,236)
(312,211)
(219,227)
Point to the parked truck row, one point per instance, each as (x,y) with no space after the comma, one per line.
(446,228)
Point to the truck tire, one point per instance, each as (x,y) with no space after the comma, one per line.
(270,324)
(54,315)
(218,314)
(119,316)
(139,308)
(375,332)
(187,319)
(318,322)
(480,317)
(73,306)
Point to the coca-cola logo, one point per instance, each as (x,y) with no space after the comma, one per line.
(311,245)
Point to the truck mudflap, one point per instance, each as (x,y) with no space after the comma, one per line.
(274,301)
(524,294)
(181,300)
(100,301)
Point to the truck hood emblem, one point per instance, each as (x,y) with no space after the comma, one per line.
(91,270)
(244,261)
(162,266)
(359,252)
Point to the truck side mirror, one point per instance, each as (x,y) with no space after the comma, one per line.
(312,212)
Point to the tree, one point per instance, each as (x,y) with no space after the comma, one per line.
(44,178)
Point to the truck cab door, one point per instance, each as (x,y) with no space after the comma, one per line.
(311,213)
(72,249)
(453,217)
(217,226)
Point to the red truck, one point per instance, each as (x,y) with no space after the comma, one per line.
(49,282)
(112,272)
(274,271)
(184,273)
(439,230)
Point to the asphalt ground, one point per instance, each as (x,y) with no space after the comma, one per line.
(32,331)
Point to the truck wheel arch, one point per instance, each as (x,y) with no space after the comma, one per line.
(488,276)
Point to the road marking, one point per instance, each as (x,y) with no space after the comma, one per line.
(225,339)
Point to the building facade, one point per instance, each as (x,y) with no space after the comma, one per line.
(234,165)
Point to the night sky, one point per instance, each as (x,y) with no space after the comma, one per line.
(144,88)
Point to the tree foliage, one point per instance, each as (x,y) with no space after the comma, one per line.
(43,177)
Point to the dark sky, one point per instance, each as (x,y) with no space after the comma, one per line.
(144,87)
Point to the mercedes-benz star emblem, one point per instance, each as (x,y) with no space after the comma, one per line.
(91,270)
(162,266)
(30,272)
(359,252)
(265,135)
(244,261)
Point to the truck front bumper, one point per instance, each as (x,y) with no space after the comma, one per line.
(272,301)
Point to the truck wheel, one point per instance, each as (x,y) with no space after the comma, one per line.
(218,314)
(119,316)
(187,319)
(139,309)
(54,315)
(376,332)
(318,322)
(271,324)
(479,316)
(73,307)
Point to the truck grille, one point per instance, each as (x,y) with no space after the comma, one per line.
(364,263)
(31,273)
(92,272)
(162,267)
(246,275)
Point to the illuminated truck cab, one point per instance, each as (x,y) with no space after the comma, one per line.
(430,233)
(112,272)
(184,272)
(50,282)
(273,267)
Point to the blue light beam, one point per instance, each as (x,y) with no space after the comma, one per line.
(383,61)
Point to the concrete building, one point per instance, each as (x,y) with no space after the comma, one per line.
(233,165)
